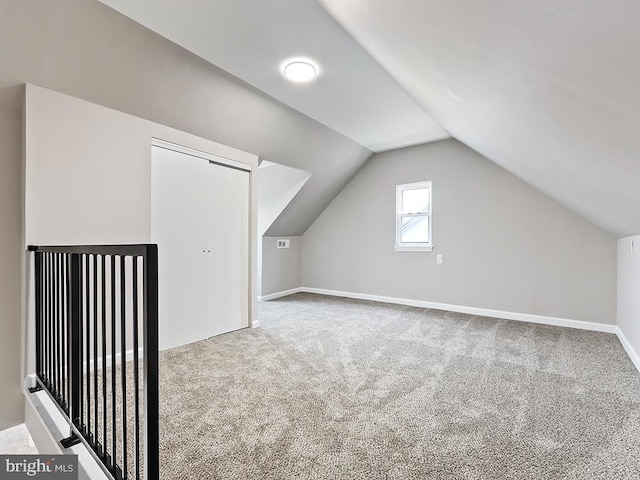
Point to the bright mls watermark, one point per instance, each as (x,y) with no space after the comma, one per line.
(52,467)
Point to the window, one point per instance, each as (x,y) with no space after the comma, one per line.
(413,217)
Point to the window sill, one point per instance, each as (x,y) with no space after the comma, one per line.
(402,248)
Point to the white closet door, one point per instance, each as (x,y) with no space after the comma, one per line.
(229,244)
(200,221)
(179,204)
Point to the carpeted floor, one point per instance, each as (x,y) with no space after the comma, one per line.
(331,388)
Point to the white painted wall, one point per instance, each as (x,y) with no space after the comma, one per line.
(506,246)
(88,170)
(629,295)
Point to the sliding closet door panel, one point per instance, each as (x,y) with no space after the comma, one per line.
(229,243)
(180,227)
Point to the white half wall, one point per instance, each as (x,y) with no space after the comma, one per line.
(629,295)
(505,245)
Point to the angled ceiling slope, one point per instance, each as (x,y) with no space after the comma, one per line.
(549,90)
(279,184)
(250,39)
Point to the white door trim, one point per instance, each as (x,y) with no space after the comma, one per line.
(227,162)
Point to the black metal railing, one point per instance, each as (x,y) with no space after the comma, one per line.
(92,305)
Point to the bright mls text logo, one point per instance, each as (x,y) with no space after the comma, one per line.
(30,468)
(53,467)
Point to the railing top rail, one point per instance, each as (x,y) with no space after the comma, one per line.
(125,250)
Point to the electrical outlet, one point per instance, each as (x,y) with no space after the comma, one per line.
(439,258)
(283,243)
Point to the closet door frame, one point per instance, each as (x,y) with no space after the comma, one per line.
(210,157)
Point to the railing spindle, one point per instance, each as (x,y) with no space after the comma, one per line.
(123,358)
(104,356)
(57,326)
(75,339)
(150,339)
(94,436)
(87,341)
(66,340)
(49,337)
(136,383)
(82,365)
(38,312)
(113,362)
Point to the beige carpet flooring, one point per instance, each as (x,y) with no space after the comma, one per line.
(331,388)
(17,441)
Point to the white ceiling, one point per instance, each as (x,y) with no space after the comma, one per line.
(250,39)
(550,90)
(547,89)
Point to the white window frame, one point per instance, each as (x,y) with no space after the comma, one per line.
(413,246)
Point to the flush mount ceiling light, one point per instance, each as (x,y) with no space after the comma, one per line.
(299,71)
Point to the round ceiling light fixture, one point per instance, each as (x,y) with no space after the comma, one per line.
(300,71)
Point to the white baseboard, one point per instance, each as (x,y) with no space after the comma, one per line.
(633,355)
(284,293)
(89,366)
(522,317)
(128,358)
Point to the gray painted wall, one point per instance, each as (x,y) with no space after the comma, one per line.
(281,267)
(11,400)
(505,245)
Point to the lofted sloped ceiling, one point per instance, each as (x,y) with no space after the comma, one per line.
(251,39)
(547,89)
